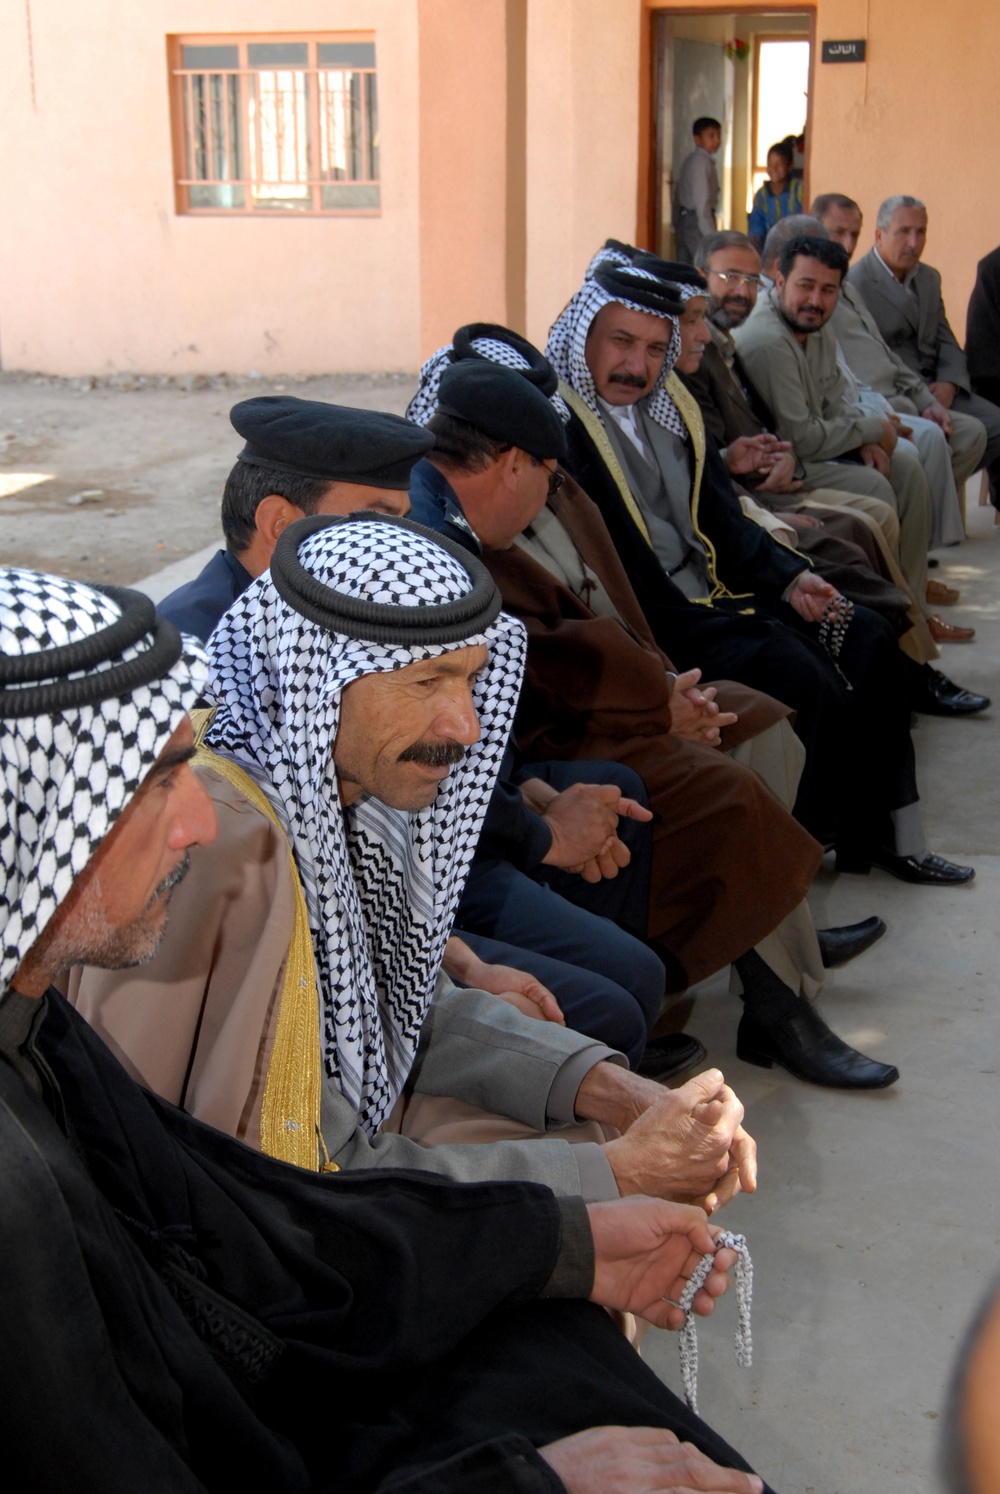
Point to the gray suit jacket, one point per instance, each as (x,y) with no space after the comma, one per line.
(912,320)
(803,386)
(870,358)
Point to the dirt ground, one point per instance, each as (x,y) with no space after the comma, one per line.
(113,479)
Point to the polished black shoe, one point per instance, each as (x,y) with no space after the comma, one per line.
(667,1056)
(939,696)
(931,871)
(837,946)
(804,1045)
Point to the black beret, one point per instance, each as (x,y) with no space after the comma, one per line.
(670,270)
(312,439)
(626,284)
(539,370)
(503,404)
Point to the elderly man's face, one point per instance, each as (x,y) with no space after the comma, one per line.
(695,335)
(401,733)
(902,243)
(844,227)
(116,910)
(733,283)
(625,351)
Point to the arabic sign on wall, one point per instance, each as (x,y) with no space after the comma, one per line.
(843,51)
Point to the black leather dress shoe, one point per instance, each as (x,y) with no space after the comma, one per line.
(666,1056)
(932,871)
(837,946)
(804,1045)
(939,696)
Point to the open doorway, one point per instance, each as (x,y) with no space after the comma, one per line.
(750,70)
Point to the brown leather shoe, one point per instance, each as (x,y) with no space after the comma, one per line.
(943,632)
(940,595)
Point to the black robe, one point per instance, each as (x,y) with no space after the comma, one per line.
(859,756)
(180,1313)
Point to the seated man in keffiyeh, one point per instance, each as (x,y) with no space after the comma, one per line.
(364,690)
(180,1314)
(730,865)
(718,591)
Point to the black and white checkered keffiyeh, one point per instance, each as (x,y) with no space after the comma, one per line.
(68,774)
(566,349)
(381,884)
(424,403)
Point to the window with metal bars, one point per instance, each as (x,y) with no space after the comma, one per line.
(275,125)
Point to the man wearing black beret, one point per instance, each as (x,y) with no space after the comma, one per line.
(730,867)
(302,456)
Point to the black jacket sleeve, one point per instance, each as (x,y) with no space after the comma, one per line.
(748,559)
(512,831)
(507,1465)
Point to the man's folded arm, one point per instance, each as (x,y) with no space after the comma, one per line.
(815,438)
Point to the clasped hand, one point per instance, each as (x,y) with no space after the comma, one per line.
(584,824)
(686,1144)
(694,715)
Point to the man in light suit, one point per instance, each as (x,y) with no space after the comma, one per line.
(904,297)
(791,355)
(951,445)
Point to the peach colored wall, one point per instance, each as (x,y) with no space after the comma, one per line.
(897,123)
(463,178)
(583,124)
(96,269)
(97,272)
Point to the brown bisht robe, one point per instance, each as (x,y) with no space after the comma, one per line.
(729,862)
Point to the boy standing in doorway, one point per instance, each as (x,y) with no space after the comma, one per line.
(696,192)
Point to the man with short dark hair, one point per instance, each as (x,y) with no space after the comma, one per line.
(346,460)
(696,191)
(596,682)
(790,351)
(826,523)
(904,296)
(183,1316)
(734,407)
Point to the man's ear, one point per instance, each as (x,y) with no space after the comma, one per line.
(779,280)
(273,515)
(511,464)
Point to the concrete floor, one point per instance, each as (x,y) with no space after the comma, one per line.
(874,1228)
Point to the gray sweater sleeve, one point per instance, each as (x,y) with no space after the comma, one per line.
(818,421)
(479,1049)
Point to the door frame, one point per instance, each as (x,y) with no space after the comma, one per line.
(648,206)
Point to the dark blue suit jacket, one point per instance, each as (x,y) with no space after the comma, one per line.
(197,606)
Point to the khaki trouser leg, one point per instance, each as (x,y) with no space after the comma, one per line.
(968,443)
(917,644)
(792,949)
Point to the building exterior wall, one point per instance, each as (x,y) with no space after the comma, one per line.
(921,115)
(98,271)
(515,139)
(583,124)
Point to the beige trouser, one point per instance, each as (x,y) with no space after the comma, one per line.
(905,490)
(792,949)
(881,520)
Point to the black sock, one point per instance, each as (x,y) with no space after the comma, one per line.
(766,998)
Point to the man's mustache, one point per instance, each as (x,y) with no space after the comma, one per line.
(171,880)
(433,754)
(631,381)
